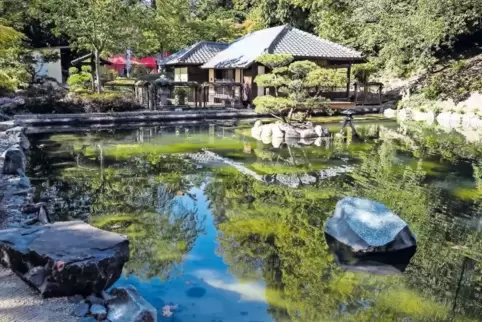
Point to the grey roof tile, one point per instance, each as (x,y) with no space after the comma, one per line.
(197,54)
(279,40)
(302,44)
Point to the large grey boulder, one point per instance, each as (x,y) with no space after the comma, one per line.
(16,135)
(128,306)
(307,133)
(12,160)
(321,131)
(290,131)
(257,129)
(266,131)
(65,258)
(277,133)
(368,226)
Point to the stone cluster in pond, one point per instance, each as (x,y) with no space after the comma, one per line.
(277,132)
(64,258)
(123,304)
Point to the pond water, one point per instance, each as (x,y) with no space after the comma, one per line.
(236,233)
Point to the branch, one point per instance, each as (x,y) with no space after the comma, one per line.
(275,116)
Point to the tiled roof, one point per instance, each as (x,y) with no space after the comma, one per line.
(197,54)
(302,44)
(280,40)
(244,51)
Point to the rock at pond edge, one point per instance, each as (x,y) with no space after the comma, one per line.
(78,258)
(128,306)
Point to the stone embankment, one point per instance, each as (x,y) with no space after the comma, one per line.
(59,259)
(464,117)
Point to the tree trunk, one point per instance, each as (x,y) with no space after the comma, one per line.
(97,71)
(92,72)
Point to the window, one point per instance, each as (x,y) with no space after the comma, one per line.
(224,74)
(180,74)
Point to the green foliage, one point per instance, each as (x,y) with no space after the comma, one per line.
(363,72)
(297,86)
(79,80)
(400,37)
(268,103)
(274,61)
(11,72)
(97,26)
(105,102)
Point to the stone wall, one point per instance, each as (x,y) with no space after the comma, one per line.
(15,189)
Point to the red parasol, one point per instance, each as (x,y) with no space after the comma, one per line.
(121,60)
(149,62)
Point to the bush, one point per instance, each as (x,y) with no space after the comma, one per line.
(81,101)
(106,102)
(79,80)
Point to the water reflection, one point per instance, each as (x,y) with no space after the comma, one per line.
(225,246)
(379,263)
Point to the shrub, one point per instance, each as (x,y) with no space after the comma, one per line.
(297,86)
(106,102)
(79,80)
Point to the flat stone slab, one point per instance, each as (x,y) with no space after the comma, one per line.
(65,258)
(29,120)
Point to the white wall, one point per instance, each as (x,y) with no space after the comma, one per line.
(52,69)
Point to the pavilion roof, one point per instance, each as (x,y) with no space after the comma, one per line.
(197,54)
(280,40)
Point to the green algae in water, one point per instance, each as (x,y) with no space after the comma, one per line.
(466,193)
(261,248)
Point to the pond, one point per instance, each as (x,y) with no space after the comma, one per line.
(227,228)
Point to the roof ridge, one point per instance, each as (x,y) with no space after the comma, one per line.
(181,57)
(197,46)
(283,31)
(212,42)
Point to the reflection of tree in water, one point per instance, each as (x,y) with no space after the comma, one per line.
(276,233)
(138,197)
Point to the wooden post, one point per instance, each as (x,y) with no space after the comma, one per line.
(380,89)
(261,71)
(348,74)
(195,96)
(92,70)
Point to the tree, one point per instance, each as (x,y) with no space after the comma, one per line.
(296,85)
(11,71)
(97,25)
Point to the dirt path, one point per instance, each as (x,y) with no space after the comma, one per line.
(19,303)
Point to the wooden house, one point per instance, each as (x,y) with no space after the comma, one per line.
(238,61)
(224,68)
